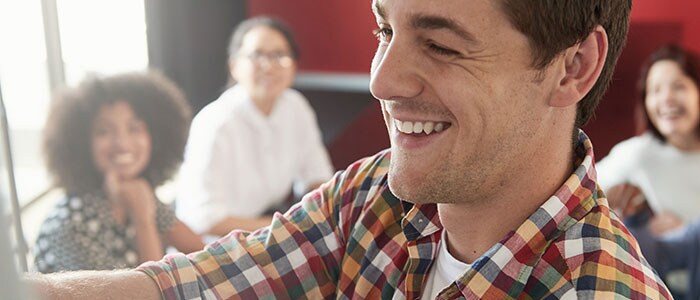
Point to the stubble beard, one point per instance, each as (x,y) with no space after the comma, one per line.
(450,183)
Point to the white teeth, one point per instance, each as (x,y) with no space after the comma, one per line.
(428,127)
(438,127)
(124,158)
(419,127)
(671,113)
(407,127)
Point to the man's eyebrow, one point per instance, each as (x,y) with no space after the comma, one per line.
(431,22)
(437,22)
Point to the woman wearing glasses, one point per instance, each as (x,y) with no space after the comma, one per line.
(256,143)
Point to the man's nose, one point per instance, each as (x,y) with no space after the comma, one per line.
(395,72)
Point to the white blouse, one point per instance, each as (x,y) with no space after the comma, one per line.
(239,162)
(668,177)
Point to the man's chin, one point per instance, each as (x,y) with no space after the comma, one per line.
(407,191)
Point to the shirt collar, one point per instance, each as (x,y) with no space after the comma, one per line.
(421,220)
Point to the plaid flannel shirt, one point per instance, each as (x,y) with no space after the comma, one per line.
(352,238)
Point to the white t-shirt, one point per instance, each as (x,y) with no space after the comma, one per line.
(444,271)
(668,177)
(239,162)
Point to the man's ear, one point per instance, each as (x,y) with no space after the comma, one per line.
(583,64)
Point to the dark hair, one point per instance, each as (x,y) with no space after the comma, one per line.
(244,27)
(688,62)
(68,132)
(555,25)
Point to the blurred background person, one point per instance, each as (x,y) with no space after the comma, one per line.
(108,143)
(256,143)
(652,179)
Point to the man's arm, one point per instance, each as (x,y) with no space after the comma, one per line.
(119,284)
(230,223)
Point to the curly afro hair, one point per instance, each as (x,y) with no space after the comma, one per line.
(67,135)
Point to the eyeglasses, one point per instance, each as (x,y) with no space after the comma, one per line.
(278,59)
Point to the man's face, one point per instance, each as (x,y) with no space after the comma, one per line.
(463,105)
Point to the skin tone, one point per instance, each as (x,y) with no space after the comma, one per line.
(502,121)
(121,148)
(626,199)
(673,106)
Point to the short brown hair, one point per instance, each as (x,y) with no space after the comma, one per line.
(67,135)
(555,25)
(687,60)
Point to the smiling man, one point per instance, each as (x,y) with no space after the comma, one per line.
(488,191)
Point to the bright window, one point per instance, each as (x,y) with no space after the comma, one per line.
(96,36)
(102,36)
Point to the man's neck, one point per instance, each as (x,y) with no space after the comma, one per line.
(474,227)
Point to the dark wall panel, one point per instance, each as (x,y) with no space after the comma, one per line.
(187,40)
(351,123)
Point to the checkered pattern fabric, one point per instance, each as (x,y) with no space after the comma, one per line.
(352,239)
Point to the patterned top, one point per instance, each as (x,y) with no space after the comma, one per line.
(81,233)
(352,238)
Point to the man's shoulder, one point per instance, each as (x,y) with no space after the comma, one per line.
(596,232)
(598,251)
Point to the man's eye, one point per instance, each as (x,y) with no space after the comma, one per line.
(383,34)
(441,50)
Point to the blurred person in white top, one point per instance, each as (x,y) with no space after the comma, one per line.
(256,143)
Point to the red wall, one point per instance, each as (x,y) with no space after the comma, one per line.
(334,35)
(684,12)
